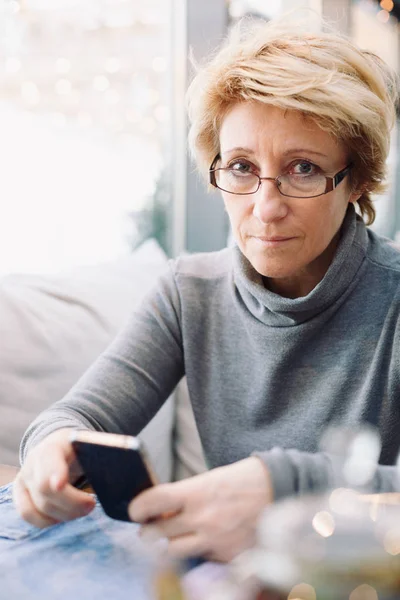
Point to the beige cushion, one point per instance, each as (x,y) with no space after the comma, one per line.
(51,330)
(189,458)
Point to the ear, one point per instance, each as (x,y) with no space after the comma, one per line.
(354,197)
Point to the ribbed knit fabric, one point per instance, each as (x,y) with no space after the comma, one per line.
(266,374)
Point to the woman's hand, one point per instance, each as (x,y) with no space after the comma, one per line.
(42,492)
(213,515)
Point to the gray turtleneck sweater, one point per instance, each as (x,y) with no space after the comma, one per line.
(266,374)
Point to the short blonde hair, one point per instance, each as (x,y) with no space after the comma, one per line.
(349,92)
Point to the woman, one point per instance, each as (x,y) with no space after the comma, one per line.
(293,329)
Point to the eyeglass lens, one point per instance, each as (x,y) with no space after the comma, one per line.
(298,186)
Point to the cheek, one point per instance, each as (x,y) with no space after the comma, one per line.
(323,219)
(237,214)
(337,210)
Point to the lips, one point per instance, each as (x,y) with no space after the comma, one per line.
(273,239)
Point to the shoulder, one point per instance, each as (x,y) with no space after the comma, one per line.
(383,252)
(192,274)
(204,265)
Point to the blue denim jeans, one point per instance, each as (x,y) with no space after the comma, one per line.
(93,557)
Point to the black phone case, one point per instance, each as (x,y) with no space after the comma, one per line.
(116,475)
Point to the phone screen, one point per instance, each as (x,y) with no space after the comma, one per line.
(116,474)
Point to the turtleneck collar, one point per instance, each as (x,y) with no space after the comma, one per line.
(278,311)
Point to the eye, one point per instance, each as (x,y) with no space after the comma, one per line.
(241,166)
(303,167)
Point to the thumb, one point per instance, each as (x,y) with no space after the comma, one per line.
(161,500)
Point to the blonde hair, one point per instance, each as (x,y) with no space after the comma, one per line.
(348,92)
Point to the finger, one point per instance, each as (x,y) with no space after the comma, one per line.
(56,463)
(57,508)
(162,499)
(56,490)
(50,469)
(171,527)
(187,546)
(54,497)
(63,503)
(71,499)
(27,509)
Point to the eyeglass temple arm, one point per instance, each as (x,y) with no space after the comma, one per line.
(333,182)
(341,175)
(211,170)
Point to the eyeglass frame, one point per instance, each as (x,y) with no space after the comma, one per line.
(331,182)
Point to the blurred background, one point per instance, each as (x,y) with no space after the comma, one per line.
(93,129)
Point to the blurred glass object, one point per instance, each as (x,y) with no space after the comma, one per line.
(356,452)
(313,548)
(85,127)
(344,543)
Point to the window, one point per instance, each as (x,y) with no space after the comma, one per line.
(84,122)
(376,30)
(270,9)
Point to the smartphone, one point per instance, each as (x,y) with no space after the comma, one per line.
(116,467)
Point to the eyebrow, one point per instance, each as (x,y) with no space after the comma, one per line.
(287,152)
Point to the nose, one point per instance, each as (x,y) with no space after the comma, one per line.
(269,204)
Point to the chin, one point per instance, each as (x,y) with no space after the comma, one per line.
(267,268)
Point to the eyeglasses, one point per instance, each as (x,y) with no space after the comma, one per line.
(296,185)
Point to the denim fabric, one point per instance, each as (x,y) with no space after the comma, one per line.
(93,557)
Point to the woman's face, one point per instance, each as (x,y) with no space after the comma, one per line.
(290,241)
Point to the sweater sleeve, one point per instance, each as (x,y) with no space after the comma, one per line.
(128,383)
(294,473)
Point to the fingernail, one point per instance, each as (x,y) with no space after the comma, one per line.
(86,512)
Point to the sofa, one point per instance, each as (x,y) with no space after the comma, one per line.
(52,327)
